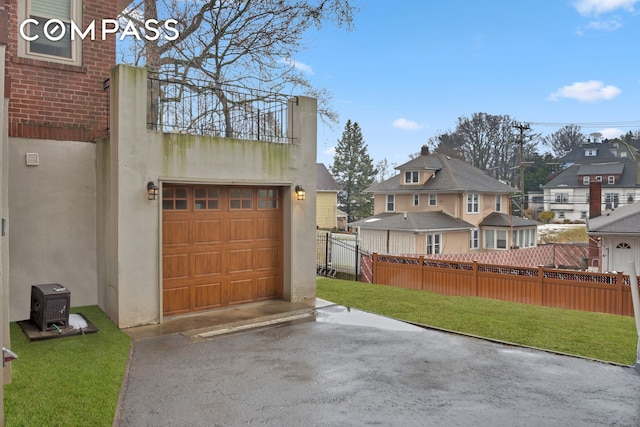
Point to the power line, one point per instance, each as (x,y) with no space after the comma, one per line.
(620,124)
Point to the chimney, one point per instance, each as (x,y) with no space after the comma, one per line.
(595,199)
(424,151)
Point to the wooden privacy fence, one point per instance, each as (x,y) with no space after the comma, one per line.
(577,290)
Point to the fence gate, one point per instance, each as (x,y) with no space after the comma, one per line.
(339,255)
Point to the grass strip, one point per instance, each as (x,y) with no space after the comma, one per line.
(71,381)
(599,336)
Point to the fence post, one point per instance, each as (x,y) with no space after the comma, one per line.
(541,285)
(421,261)
(374,261)
(619,287)
(475,278)
(357,259)
(326,251)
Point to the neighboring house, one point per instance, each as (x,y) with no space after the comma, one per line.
(567,192)
(437,204)
(143,220)
(326,198)
(618,234)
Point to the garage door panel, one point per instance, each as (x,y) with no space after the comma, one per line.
(268,228)
(240,230)
(175,232)
(241,291)
(207,231)
(208,295)
(175,301)
(268,287)
(267,258)
(240,261)
(207,263)
(175,266)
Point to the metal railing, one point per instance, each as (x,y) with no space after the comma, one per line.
(197,107)
(339,255)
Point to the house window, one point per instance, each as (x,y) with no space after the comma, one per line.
(473,203)
(391,202)
(623,154)
(598,179)
(623,246)
(585,180)
(411,177)
(629,198)
(268,198)
(611,180)
(498,203)
(433,243)
(562,197)
(240,198)
(433,199)
(474,239)
(561,214)
(611,200)
(591,152)
(416,200)
(206,199)
(583,214)
(495,239)
(489,239)
(174,199)
(43,12)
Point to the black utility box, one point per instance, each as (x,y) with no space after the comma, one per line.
(50,306)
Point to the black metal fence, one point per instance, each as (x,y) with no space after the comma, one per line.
(339,255)
(198,107)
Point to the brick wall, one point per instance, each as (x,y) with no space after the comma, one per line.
(56,101)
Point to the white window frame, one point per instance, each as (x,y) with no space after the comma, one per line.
(473,203)
(598,178)
(611,200)
(433,243)
(498,203)
(411,177)
(433,199)
(390,201)
(490,240)
(562,198)
(24,46)
(586,180)
(416,200)
(611,180)
(474,238)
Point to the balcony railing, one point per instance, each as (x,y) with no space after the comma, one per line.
(198,107)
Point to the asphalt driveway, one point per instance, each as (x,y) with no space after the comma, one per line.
(350,368)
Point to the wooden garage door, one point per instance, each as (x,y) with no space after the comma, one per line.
(221,246)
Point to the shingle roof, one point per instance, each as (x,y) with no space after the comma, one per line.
(452,176)
(413,221)
(324,179)
(622,220)
(576,155)
(610,168)
(569,176)
(497,219)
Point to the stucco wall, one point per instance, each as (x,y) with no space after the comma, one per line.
(52,220)
(129,225)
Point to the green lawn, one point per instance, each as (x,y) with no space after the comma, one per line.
(600,336)
(71,381)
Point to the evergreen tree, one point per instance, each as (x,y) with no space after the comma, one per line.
(353,169)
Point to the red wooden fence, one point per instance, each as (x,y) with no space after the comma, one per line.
(577,290)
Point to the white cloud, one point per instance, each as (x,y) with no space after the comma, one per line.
(609,25)
(300,66)
(596,7)
(330,151)
(589,91)
(406,124)
(610,133)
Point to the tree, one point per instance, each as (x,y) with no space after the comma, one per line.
(546,216)
(353,170)
(385,169)
(563,140)
(249,44)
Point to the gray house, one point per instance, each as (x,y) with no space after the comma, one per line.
(618,235)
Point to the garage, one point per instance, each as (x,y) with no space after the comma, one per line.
(221,246)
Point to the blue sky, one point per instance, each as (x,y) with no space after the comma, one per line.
(410,68)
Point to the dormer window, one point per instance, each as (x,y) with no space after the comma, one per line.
(590,152)
(585,180)
(611,180)
(411,177)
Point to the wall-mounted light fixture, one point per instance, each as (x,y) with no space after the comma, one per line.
(300,192)
(152,191)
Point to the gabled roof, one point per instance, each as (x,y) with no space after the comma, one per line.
(324,179)
(497,219)
(576,155)
(569,176)
(451,176)
(622,220)
(413,221)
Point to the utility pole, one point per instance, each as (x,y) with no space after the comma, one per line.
(522,127)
